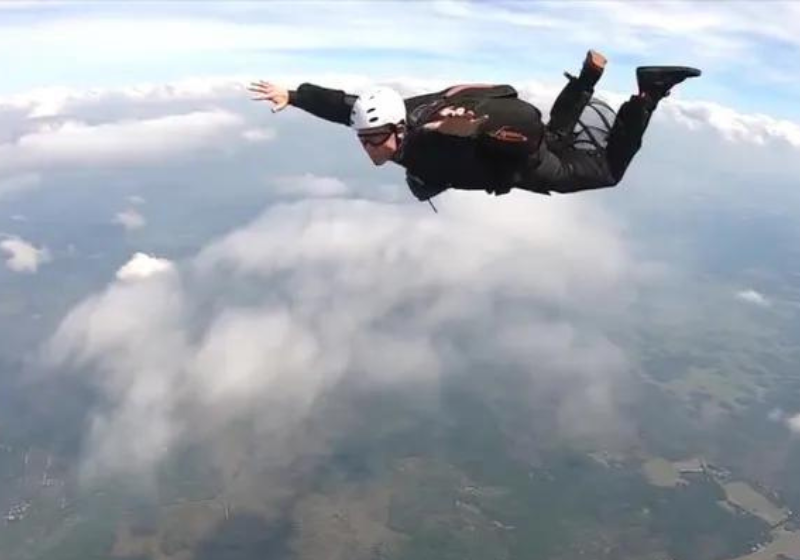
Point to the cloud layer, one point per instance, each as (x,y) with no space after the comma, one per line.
(71,143)
(266,322)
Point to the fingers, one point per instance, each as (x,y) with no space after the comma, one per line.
(266,88)
(262,84)
(257,88)
(267,91)
(264,98)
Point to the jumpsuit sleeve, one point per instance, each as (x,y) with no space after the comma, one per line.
(330,104)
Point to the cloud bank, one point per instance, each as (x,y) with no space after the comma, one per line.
(341,295)
(75,143)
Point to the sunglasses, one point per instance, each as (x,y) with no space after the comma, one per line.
(375,138)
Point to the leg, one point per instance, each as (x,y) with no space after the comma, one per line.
(655,83)
(572,101)
(572,170)
(626,134)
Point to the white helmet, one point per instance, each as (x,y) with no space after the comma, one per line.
(378,107)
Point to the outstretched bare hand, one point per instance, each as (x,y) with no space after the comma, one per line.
(267,91)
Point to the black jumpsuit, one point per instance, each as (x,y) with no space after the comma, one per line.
(512,149)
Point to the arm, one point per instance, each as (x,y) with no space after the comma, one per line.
(502,127)
(475,110)
(329,104)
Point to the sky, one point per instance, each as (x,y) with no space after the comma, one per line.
(193,251)
(748,50)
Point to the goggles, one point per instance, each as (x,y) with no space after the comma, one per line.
(375,138)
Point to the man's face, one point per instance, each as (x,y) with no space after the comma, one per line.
(380,143)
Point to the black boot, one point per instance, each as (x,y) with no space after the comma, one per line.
(655,82)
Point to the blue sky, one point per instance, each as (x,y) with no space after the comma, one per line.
(749,51)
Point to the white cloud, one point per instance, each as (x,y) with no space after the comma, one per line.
(143,266)
(754,297)
(118,143)
(325,25)
(196,35)
(733,126)
(136,199)
(702,28)
(349,291)
(309,185)
(132,333)
(23,256)
(791,422)
(794,423)
(258,135)
(130,219)
(60,101)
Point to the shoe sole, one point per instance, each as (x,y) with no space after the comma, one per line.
(596,59)
(691,72)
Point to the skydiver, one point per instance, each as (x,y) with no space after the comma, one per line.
(483,137)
